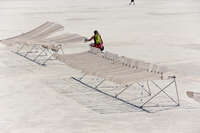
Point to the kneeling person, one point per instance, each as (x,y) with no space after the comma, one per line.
(98,42)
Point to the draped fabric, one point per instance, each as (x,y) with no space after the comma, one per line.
(112,67)
(42,35)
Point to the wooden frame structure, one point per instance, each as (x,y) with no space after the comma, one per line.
(36,44)
(126,72)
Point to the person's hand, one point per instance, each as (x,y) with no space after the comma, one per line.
(86,39)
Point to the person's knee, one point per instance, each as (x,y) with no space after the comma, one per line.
(92,45)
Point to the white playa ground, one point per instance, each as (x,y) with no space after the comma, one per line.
(36,99)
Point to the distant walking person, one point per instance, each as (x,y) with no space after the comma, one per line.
(98,42)
(132,2)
